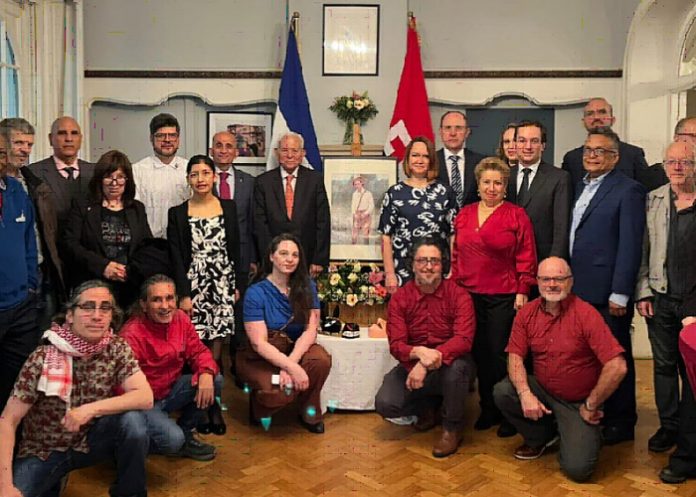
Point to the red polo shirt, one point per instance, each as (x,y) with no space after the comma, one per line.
(568,350)
(443,320)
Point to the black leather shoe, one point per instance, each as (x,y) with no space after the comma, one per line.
(217,423)
(312,428)
(612,435)
(487,420)
(506,429)
(662,440)
(668,475)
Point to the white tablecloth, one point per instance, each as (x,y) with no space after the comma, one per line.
(357,370)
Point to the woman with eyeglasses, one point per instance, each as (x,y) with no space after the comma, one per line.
(104,230)
(415,208)
(203,236)
(494,258)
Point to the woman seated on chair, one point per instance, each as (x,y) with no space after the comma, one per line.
(281,316)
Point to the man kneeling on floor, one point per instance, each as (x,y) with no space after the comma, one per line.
(164,340)
(577,365)
(430,330)
(64,394)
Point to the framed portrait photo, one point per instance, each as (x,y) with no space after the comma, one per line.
(356,188)
(252,132)
(351,40)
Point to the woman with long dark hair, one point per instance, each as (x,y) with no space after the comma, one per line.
(281,316)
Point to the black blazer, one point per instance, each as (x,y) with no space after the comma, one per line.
(82,238)
(548,206)
(471,160)
(179,238)
(311,217)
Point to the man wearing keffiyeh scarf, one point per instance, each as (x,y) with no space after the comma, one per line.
(76,372)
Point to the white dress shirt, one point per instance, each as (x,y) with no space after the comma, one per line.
(532,172)
(448,165)
(230,180)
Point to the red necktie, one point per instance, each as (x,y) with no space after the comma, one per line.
(289,195)
(224,186)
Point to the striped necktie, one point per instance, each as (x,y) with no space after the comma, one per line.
(457,180)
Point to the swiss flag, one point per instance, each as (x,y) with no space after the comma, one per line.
(411,116)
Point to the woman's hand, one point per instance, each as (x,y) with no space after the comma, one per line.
(520,301)
(186,305)
(285,379)
(115,271)
(300,380)
(391,282)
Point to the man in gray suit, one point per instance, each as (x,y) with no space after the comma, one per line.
(67,176)
(238,186)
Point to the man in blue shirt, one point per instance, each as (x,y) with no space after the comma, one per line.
(19,334)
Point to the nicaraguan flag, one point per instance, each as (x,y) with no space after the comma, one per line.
(293,112)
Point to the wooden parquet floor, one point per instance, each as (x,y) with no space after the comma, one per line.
(362,455)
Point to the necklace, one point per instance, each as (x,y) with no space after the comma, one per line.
(284,289)
(111,204)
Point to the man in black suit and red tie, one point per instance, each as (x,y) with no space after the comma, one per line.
(457,162)
(292,199)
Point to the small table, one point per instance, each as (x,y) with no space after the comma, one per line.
(357,370)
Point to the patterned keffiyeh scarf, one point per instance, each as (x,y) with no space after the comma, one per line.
(57,373)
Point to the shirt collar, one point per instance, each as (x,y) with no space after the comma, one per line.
(61,165)
(448,154)
(565,303)
(3,184)
(284,174)
(437,293)
(594,181)
(229,171)
(533,168)
(174,164)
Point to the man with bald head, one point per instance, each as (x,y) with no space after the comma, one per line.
(67,176)
(577,363)
(665,279)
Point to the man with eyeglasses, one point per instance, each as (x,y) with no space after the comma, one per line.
(67,402)
(431,331)
(292,199)
(665,280)
(577,363)
(599,114)
(684,131)
(457,162)
(543,190)
(65,174)
(606,236)
(160,179)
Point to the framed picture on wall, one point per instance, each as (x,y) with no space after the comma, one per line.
(252,132)
(355,188)
(351,40)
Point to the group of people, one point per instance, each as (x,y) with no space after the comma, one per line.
(469,242)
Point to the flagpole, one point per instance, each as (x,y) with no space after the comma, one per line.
(295,26)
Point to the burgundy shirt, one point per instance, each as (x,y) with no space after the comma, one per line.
(568,350)
(443,320)
(497,258)
(687,347)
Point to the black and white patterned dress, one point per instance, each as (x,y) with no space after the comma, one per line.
(212,278)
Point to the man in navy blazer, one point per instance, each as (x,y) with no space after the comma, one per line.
(598,113)
(301,208)
(606,235)
(454,130)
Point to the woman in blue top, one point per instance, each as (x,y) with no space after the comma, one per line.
(281,316)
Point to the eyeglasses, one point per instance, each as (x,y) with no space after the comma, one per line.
(119,180)
(91,308)
(599,152)
(552,279)
(166,136)
(681,162)
(424,261)
(691,136)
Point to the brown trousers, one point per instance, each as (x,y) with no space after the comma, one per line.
(266,399)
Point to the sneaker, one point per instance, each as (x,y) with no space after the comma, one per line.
(403,420)
(197,450)
(662,440)
(527,453)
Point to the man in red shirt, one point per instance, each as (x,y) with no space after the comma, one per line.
(577,365)
(163,339)
(431,329)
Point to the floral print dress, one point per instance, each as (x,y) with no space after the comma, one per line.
(212,279)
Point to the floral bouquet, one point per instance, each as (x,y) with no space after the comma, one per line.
(353,109)
(352,283)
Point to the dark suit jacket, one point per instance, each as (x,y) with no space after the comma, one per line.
(62,197)
(179,238)
(608,241)
(311,219)
(548,206)
(82,239)
(244,198)
(631,162)
(471,160)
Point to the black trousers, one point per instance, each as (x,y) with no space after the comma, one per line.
(683,459)
(239,338)
(494,316)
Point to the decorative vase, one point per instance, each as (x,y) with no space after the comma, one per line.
(348,135)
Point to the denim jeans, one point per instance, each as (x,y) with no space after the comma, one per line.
(122,437)
(167,436)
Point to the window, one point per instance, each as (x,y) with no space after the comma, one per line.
(9,77)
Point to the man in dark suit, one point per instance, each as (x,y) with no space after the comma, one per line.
(543,190)
(67,176)
(598,113)
(454,130)
(606,237)
(292,199)
(236,185)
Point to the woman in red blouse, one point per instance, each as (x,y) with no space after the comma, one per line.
(494,258)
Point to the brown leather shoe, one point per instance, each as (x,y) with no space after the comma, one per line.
(428,419)
(527,453)
(448,443)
